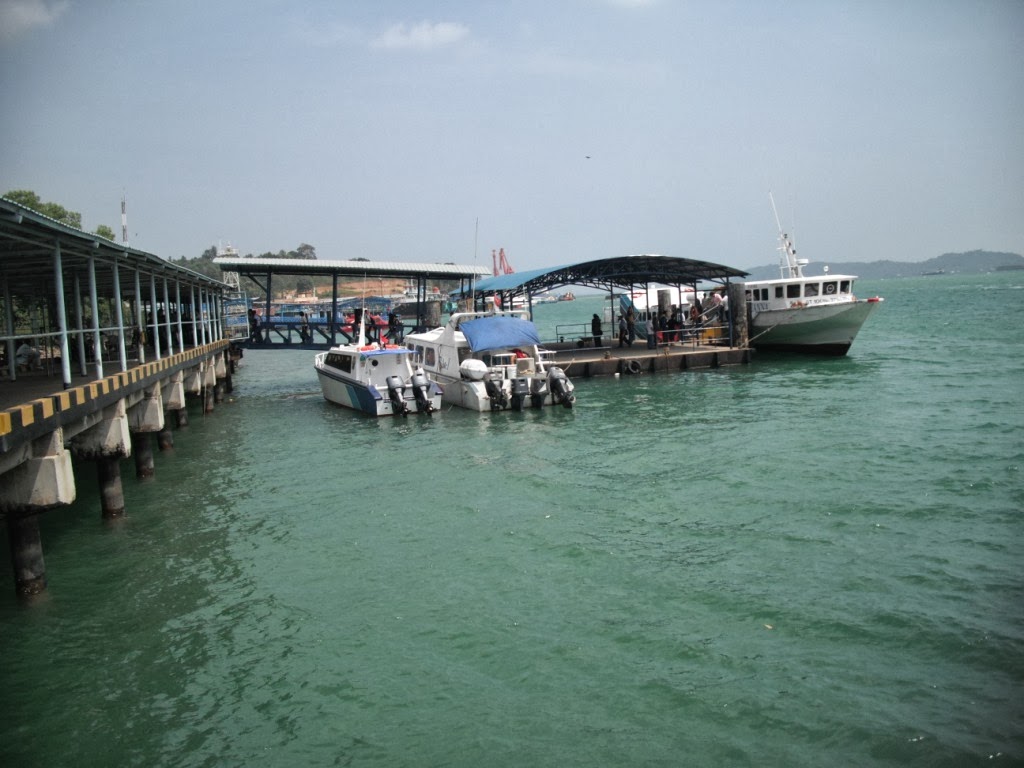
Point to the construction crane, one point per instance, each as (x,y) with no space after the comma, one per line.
(500,263)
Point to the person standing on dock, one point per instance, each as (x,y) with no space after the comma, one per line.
(623,330)
(595,330)
(630,327)
(395,327)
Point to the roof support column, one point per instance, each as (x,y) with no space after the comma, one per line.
(167,320)
(83,364)
(202,315)
(12,366)
(177,303)
(195,320)
(153,316)
(140,319)
(97,340)
(119,314)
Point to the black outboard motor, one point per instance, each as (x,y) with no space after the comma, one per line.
(520,391)
(498,397)
(561,387)
(421,389)
(396,394)
(538,392)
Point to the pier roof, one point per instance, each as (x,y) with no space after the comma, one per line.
(620,271)
(28,241)
(349,268)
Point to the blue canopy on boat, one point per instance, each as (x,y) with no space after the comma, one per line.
(499,332)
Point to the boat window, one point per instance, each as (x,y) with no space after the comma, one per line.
(793,291)
(341,362)
(812,289)
(430,357)
(778,291)
(764,294)
(845,286)
(829,288)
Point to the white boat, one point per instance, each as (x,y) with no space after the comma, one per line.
(800,313)
(376,379)
(489,361)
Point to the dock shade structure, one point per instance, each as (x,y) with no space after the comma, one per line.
(627,273)
(262,270)
(623,275)
(86,302)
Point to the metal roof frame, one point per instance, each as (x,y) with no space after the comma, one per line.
(607,274)
(29,241)
(354,268)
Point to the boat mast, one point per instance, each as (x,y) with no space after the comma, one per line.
(789,262)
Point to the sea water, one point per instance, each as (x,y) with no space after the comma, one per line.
(796,562)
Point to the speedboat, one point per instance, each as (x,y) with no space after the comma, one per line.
(378,379)
(491,361)
(800,313)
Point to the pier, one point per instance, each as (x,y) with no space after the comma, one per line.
(117,340)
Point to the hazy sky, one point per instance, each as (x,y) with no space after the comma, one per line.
(561,130)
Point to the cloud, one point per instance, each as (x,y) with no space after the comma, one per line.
(422,36)
(20,16)
(632,3)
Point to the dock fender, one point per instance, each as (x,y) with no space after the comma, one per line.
(633,366)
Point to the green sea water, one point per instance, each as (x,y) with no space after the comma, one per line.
(796,562)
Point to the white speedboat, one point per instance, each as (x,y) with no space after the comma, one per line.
(376,379)
(800,313)
(489,361)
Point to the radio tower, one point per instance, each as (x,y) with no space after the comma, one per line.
(124,220)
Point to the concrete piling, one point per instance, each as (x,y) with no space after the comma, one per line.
(108,472)
(26,554)
(165,439)
(142,449)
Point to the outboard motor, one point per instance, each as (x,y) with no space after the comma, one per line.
(561,387)
(396,394)
(538,392)
(421,389)
(498,397)
(520,391)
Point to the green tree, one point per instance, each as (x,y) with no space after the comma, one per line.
(104,231)
(30,199)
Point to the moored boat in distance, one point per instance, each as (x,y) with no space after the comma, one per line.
(378,379)
(490,361)
(818,314)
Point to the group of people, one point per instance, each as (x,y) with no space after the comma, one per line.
(395,329)
(667,326)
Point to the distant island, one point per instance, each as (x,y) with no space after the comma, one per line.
(972,262)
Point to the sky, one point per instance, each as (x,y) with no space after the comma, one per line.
(559,130)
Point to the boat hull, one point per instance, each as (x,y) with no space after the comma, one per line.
(371,397)
(826,329)
(506,370)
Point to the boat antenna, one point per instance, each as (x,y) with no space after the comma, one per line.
(788,262)
(362,315)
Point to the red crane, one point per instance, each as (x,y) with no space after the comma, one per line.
(501,265)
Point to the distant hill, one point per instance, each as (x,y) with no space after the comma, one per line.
(972,262)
